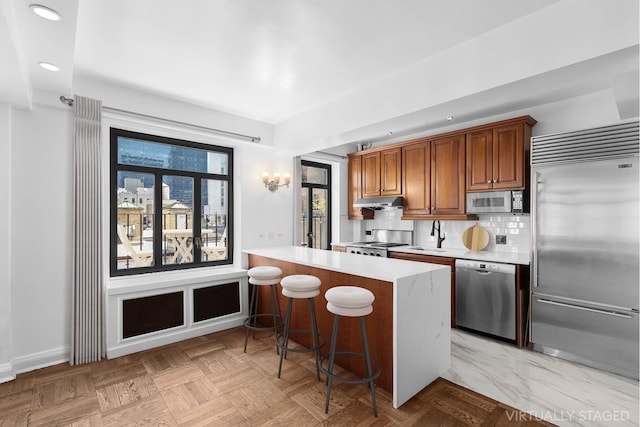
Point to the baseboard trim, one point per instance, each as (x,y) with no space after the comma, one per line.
(31,362)
(6,373)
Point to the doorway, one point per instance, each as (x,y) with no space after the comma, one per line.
(315,205)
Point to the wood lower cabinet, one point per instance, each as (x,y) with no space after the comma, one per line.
(523,287)
(432,259)
(379,323)
(498,156)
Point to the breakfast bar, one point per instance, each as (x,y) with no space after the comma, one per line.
(409,329)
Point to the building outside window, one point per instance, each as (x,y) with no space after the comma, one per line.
(170,203)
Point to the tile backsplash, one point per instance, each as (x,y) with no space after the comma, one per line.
(516,228)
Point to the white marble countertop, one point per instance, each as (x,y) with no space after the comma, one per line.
(386,269)
(505,257)
(489,256)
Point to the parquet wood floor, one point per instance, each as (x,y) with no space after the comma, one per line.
(209,381)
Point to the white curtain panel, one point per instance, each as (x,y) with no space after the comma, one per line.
(87,338)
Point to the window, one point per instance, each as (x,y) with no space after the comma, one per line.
(170,204)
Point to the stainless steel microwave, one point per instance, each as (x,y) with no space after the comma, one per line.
(514,201)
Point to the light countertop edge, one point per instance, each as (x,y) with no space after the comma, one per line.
(386,269)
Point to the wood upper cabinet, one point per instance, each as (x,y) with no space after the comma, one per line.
(434,173)
(433,178)
(381,173)
(497,157)
(448,196)
(390,176)
(416,179)
(355,188)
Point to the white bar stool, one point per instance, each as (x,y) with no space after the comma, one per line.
(350,301)
(263,276)
(301,286)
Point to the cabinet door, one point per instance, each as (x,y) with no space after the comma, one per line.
(480,160)
(371,175)
(416,178)
(390,167)
(354,182)
(508,157)
(448,175)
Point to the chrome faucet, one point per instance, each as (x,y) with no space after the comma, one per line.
(433,233)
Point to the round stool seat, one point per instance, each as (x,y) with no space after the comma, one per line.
(263,276)
(350,301)
(265,273)
(300,286)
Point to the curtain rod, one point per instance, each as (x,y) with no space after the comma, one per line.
(256,139)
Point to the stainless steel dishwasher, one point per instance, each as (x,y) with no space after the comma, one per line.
(486,297)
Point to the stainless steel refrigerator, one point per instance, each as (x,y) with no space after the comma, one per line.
(585,247)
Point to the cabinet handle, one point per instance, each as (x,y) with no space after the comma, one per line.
(489,182)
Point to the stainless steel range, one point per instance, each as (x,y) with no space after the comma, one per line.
(381,240)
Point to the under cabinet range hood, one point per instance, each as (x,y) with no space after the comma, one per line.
(379,203)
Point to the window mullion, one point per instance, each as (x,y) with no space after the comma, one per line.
(157,220)
(197,218)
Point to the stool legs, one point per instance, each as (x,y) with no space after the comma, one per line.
(252,310)
(368,360)
(285,334)
(367,357)
(253,315)
(314,328)
(332,352)
(314,333)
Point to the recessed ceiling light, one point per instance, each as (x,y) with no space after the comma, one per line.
(49,67)
(45,12)
(449,118)
(389,133)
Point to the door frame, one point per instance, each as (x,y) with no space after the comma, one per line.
(312,186)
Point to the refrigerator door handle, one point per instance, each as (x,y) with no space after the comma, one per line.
(534,212)
(578,307)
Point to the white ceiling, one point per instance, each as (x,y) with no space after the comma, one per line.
(267,60)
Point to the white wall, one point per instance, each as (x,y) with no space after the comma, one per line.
(40,222)
(36,208)
(5,243)
(266,218)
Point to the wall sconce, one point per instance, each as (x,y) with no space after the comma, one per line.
(274,183)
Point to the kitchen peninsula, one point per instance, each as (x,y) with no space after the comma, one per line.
(409,329)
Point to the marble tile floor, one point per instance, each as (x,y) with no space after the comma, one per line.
(558,391)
